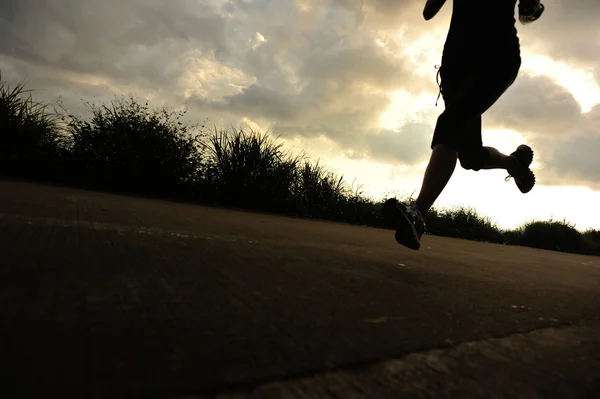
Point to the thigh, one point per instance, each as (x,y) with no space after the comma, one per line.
(467,95)
(470,93)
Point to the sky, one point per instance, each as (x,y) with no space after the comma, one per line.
(350,82)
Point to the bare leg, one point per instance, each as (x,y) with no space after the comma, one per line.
(438,173)
(441,167)
(500,161)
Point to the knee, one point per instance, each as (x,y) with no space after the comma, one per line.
(473,159)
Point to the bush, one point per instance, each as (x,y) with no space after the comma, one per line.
(551,235)
(128,147)
(463,222)
(591,239)
(364,211)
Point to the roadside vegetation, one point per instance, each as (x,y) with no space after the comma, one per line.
(126,146)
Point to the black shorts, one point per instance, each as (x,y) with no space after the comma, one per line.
(468,93)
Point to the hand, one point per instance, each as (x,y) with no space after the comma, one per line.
(530,10)
(432,7)
(528,4)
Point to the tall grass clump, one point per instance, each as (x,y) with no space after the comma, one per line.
(319,192)
(249,169)
(30,137)
(127,146)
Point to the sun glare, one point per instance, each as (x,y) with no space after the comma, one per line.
(405,106)
(503,140)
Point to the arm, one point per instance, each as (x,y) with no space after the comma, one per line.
(530,11)
(432,7)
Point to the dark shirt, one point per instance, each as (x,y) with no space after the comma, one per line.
(481,31)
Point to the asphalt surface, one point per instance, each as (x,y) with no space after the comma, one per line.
(106,296)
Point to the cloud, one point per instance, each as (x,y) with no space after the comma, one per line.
(334,81)
(124,41)
(576,158)
(409,145)
(573,157)
(568,30)
(259,102)
(386,13)
(306,68)
(536,105)
(565,139)
(302,67)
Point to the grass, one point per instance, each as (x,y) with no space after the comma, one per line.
(30,134)
(126,146)
(250,169)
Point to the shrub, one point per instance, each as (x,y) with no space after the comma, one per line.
(550,234)
(463,222)
(128,147)
(591,239)
(362,210)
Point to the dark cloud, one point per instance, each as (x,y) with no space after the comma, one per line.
(386,13)
(577,157)
(573,157)
(409,145)
(258,101)
(125,41)
(536,105)
(359,65)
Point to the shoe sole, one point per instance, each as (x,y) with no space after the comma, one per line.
(525,149)
(532,177)
(528,156)
(397,218)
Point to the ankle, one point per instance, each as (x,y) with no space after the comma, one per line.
(420,208)
(513,164)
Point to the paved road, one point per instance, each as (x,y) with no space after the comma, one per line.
(105,296)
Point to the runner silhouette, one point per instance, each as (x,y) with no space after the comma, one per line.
(480,61)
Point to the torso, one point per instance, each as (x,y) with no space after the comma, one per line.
(481,31)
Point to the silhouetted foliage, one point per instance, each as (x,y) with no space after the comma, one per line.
(31,142)
(591,240)
(550,234)
(249,168)
(320,192)
(125,146)
(462,222)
